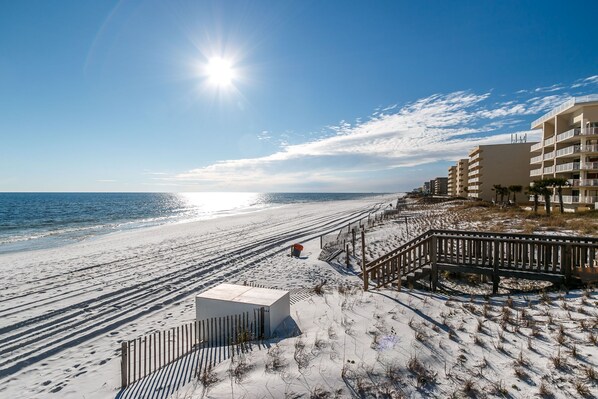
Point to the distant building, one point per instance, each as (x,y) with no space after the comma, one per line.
(569,150)
(452,181)
(462,175)
(426,188)
(504,164)
(432,186)
(440,186)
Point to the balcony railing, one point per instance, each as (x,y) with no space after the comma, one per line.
(548,169)
(576,132)
(583,182)
(589,148)
(576,199)
(549,141)
(589,165)
(536,147)
(568,134)
(569,199)
(549,155)
(535,172)
(573,149)
(474,180)
(536,159)
(474,165)
(567,167)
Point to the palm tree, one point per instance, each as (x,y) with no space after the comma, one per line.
(503,191)
(559,183)
(515,189)
(497,188)
(543,190)
(533,190)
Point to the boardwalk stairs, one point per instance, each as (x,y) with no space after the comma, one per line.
(560,259)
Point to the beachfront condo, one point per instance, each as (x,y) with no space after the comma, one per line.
(497,164)
(451,186)
(462,177)
(440,186)
(569,149)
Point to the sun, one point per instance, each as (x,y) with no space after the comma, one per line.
(220,72)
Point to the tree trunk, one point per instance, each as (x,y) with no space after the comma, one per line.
(547,203)
(536,204)
(560,191)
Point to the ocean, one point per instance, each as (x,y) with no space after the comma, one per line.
(30,221)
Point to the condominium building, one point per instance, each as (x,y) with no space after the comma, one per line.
(440,186)
(462,178)
(426,187)
(451,187)
(432,186)
(504,164)
(569,150)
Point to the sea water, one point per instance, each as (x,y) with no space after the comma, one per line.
(30,221)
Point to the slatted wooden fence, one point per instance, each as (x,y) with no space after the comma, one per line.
(145,355)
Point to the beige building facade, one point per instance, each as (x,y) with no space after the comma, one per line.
(452,181)
(569,149)
(462,178)
(504,164)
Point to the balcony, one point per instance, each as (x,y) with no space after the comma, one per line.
(536,159)
(549,155)
(536,172)
(590,131)
(575,199)
(474,180)
(567,135)
(474,165)
(589,166)
(573,149)
(536,147)
(548,169)
(548,142)
(567,167)
(589,148)
(583,182)
(569,199)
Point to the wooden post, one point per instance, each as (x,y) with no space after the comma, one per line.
(433,260)
(124,364)
(363,269)
(495,276)
(406,227)
(353,239)
(567,265)
(347,258)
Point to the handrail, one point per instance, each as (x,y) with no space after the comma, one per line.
(557,256)
(398,250)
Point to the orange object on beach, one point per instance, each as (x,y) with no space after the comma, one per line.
(298,247)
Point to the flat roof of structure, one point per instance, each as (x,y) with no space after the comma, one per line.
(568,105)
(243,294)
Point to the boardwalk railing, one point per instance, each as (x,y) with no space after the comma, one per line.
(145,355)
(531,256)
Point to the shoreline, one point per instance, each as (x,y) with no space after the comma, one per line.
(50,240)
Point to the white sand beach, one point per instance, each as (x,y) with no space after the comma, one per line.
(64,312)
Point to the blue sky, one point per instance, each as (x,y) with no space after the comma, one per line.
(327,96)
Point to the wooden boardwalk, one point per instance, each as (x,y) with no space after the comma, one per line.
(560,259)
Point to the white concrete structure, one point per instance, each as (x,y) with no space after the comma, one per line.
(230,300)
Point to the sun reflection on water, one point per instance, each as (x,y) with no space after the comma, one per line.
(214,203)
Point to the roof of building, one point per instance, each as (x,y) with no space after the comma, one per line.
(243,294)
(568,105)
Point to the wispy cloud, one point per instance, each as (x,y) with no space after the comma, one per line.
(441,127)
(106,181)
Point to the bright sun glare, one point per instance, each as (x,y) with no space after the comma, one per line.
(220,72)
